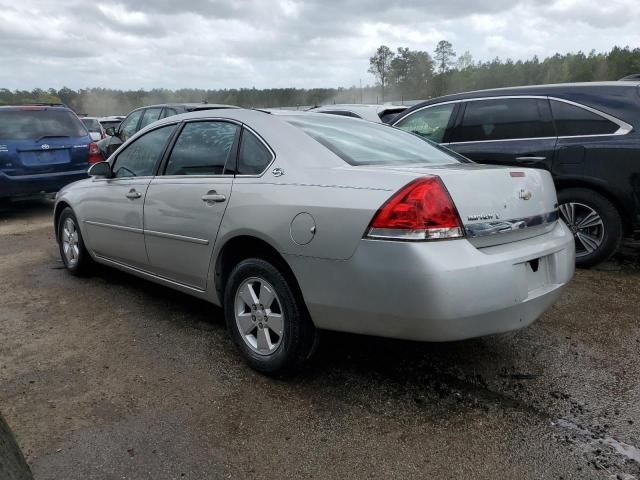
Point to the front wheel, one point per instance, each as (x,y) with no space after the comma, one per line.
(595,223)
(266,318)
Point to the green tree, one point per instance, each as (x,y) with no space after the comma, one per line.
(380,66)
(444,55)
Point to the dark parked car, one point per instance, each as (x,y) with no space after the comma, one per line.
(585,134)
(42,148)
(141,117)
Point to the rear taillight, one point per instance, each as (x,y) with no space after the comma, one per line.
(94,153)
(421,210)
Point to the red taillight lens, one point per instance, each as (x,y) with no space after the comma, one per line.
(94,153)
(421,210)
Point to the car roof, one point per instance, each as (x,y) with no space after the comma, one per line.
(562,90)
(371,112)
(36,107)
(190,106)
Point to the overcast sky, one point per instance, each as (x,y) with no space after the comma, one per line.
(133,44)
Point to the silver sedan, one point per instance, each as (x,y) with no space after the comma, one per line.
(295,222)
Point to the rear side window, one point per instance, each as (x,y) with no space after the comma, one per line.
(503,119)
(573,121)
(140,157)
(254,156)
(430,123)
(203,148)
(35,124)
(369,143)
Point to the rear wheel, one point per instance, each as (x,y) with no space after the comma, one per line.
(72,250)
(266,318)
(595,223)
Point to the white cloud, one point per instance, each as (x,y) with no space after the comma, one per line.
(280,43)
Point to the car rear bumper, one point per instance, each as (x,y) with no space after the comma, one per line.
(437,291)
(16,186)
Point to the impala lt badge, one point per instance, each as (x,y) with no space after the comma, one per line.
(525,194)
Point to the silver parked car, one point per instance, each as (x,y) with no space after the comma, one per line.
(373,113)
(300,221)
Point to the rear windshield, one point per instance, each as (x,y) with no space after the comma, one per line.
(35,124)
(367,143)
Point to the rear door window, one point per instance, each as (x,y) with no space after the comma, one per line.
(169,112)
(39,123)
(572,121)
(150,116)
(503,119)
(203,148)
(430,123)
(140,157)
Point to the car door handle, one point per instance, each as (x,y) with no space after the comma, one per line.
(213,197)
(533,159)
(133,194)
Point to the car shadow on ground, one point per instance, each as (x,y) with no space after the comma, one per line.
(25,209)
(399,365)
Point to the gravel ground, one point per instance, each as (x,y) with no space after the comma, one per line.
(112,377)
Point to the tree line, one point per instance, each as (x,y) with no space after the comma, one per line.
(402,74)
(417,74)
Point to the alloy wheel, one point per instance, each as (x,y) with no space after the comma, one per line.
(259,315)
(585,224)
(70,242)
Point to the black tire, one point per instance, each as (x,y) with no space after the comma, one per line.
(299,336)
(613,230)
(82,265)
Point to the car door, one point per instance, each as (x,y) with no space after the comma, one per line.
(506,131)
(432,122)
(185,204)
(112,208)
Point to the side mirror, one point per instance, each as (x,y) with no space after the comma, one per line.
(101,169)
(111,131)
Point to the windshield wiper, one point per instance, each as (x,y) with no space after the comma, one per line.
(52,136)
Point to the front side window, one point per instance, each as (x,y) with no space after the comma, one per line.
(430,123)
(503,119)
(129,125)
(572,121)
(368,143)
(254,156)
(203,148)
(140,157)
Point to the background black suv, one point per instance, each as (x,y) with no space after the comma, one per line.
(141,117)
(585,134)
